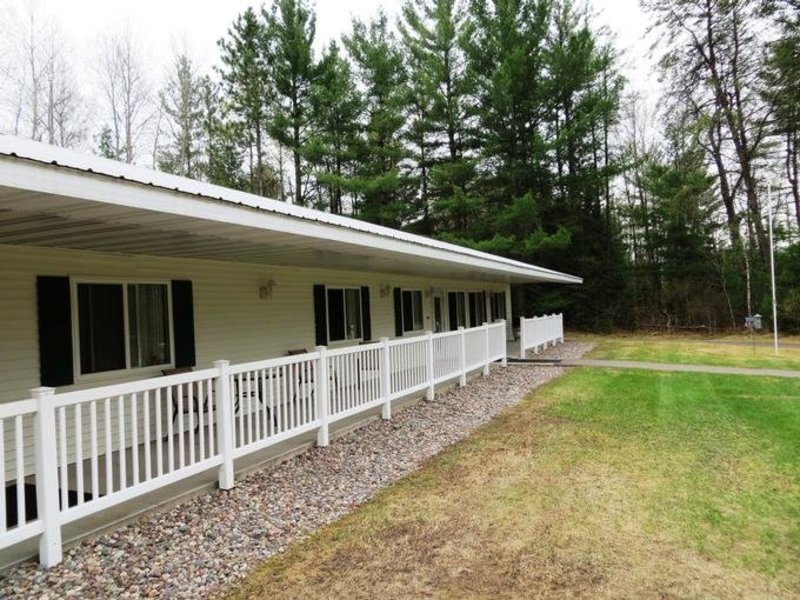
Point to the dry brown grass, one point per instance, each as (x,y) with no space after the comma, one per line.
(533,505)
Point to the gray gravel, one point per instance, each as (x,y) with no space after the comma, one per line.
(204,545)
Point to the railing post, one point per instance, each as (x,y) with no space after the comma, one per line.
(504,362)
(522,347)
(538,326)
(323,433)
(431,371)
(462,380)
(561,325)
(386,392)
(225,423)
(44,431)
(486,352)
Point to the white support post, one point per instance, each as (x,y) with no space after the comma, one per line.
(386,392)
(225,423)
(561,326)
(486,349)
(504,362)
(522,340)
(431,371)
(323,434)
(50,553)
(537,333)
(462,380)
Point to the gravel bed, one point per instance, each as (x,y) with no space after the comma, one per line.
(202,546)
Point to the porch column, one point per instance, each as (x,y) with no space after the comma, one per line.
(225,423)
(44,431)
(323,437)
(431,371)
(462,338)
(386,391)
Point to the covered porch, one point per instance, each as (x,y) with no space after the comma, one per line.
(162,331)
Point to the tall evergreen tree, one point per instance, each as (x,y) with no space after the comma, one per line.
(382,188)
(782,89)
(431,32)
(290,37)
(182,106)
(337,106)
(221,134)
(245,73)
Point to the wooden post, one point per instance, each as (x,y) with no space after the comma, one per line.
(486,349)
(431,371)
(462,380)
(323,434)
(44,431)
(225,424)
(386,392)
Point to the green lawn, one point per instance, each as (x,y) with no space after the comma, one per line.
(690,351)
(603,483)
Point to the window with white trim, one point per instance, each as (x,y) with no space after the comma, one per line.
(344,314)
(412,310)
(122,326)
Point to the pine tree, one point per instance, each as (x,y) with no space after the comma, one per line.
(182,106)
(245,73)
(382,188)
(290,37)
(337,106)
(223,153)
(439,104)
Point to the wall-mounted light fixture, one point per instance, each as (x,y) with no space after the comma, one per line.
(385,290)
(265,290)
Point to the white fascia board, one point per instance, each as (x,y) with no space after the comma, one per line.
(66,173)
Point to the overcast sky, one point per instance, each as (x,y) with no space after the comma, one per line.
(197,25)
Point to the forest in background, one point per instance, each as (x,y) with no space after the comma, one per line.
(502,125)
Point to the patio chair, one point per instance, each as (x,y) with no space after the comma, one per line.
(194,403)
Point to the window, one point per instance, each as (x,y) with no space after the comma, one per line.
(498,307)
(477,308)
(412,310)
(344,314)
(122,326)
(456,306)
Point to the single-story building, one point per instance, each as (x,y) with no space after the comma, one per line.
(112,274)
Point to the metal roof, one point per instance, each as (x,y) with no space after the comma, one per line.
(55,197)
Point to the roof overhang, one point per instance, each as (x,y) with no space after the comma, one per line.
(56,198)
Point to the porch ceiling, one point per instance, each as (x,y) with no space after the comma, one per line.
(49,205)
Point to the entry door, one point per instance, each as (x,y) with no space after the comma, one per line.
(439,314)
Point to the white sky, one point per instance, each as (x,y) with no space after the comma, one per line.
(196,25)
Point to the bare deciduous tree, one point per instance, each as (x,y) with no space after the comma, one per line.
(41,96)
(125,92)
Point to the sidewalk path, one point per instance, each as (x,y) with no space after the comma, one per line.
(653,366)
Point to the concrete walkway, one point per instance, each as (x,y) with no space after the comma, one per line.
(653,366)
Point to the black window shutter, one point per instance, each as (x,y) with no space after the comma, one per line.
(320,316)
(55,330)
(398,312)
(183,323)
(366,315)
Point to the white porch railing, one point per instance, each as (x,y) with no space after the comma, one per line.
(96,448)
(540,332)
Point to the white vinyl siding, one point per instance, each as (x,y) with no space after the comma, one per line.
(231,321)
